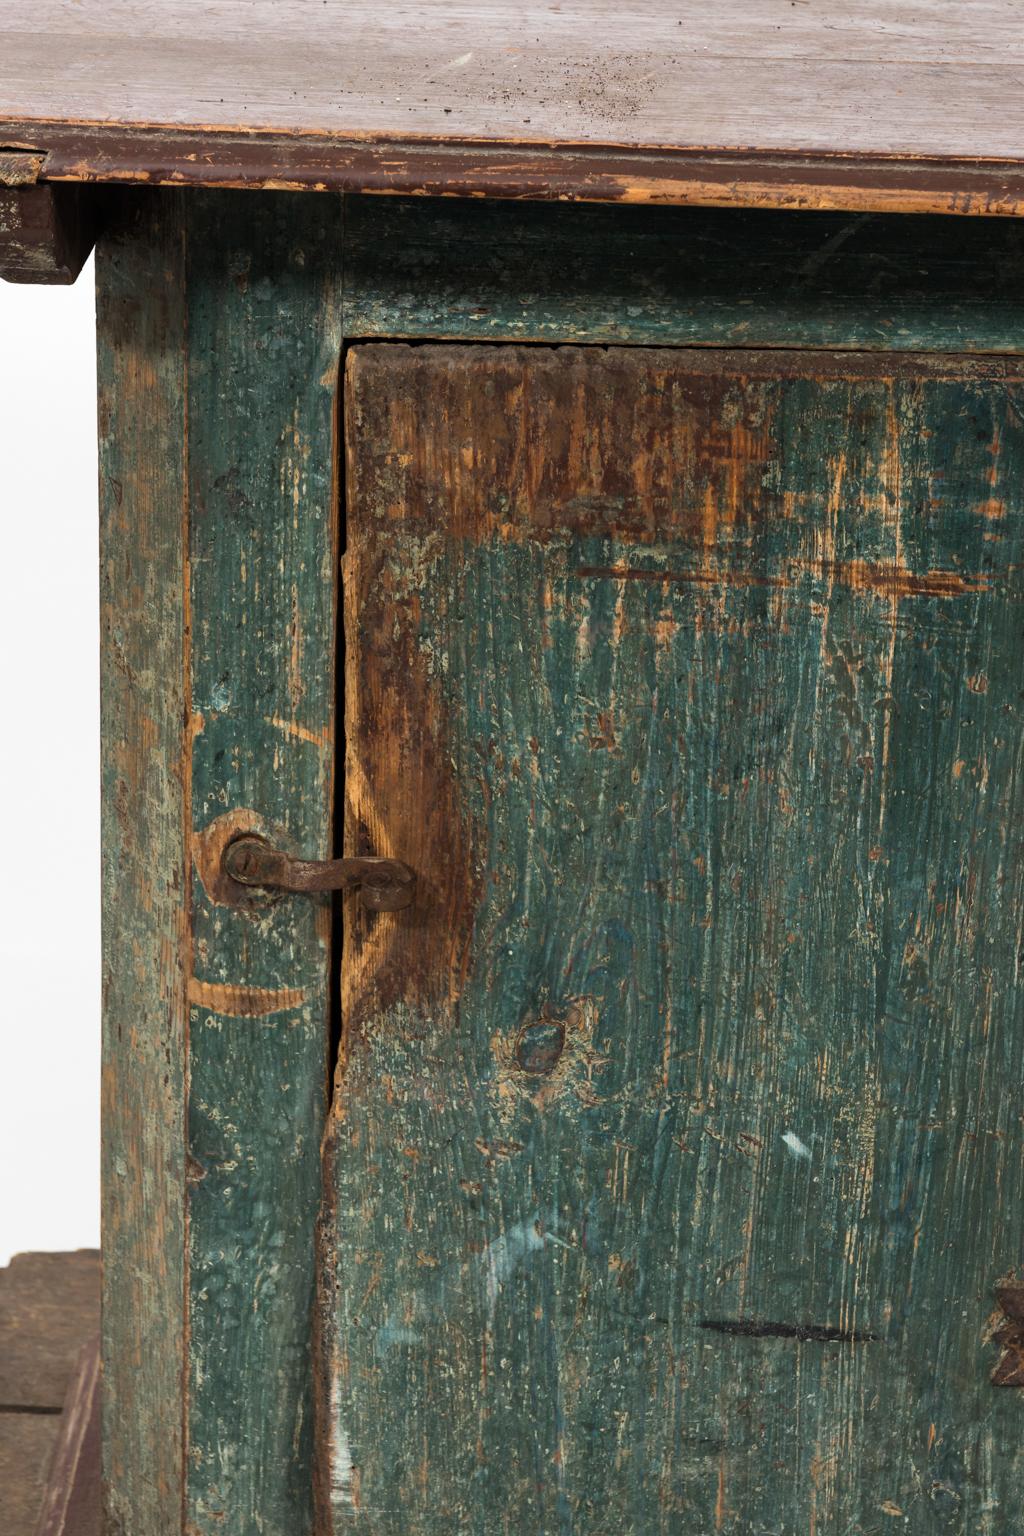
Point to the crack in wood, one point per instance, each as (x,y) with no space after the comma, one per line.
(803,1333)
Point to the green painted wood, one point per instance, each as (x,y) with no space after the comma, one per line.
(221,320)
(141,368)
(489,271)
(690,684)
(264,347)
(219,355)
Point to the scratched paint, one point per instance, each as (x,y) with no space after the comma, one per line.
(262,358)
(438,268)
(140,311)
(763,835)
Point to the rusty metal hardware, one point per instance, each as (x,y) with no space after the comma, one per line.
(384,885)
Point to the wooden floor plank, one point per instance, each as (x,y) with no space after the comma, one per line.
(26,1448)
(49,1304)
(49,1383)
(71,1504)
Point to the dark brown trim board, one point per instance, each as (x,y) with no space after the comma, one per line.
(767,104)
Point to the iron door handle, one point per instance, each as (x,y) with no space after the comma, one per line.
(384,885)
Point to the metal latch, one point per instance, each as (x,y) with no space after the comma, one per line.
(384,885)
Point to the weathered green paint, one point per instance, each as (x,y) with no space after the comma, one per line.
(219,356)
(488,271)
(221,322)
(263,349)
(701,674)
(140,290)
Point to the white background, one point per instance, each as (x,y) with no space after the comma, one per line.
(49,771)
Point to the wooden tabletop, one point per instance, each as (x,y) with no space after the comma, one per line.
(812,103)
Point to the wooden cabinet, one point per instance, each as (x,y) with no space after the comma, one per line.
(655,1169)
(649,583)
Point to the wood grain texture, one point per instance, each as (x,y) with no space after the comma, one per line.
(219,347)
(27,1442)
(690,682)
(323,163)
(71,1504)
(20,168)
(140,285)
(485,271)
(46,232)
(49,1306)
(49,1303)
(263,359)
(769,103)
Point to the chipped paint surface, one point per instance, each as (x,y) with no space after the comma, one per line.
(140,314)
(260,392)
(727,1265)
(344,1487)
(671,277)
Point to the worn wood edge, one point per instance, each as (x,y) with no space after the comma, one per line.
(46,231)
(737,360)
(325,1350)
(291,258)
(140,336)
(325,1361)
(27,1442)
(71,1503)
(608,275)
(20,168)
(223,157)
(49,1303)
(323,1258)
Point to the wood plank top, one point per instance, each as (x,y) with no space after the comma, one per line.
(808,103)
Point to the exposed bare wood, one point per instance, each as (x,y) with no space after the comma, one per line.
(71,1503)
(49,1302)
(27,1442)
(143,585)
(49,1305)
(20,167)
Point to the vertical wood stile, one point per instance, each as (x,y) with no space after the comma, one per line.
(264,344)
(219,349)
(142,342)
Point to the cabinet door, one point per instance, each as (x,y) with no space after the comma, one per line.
(675,1153)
